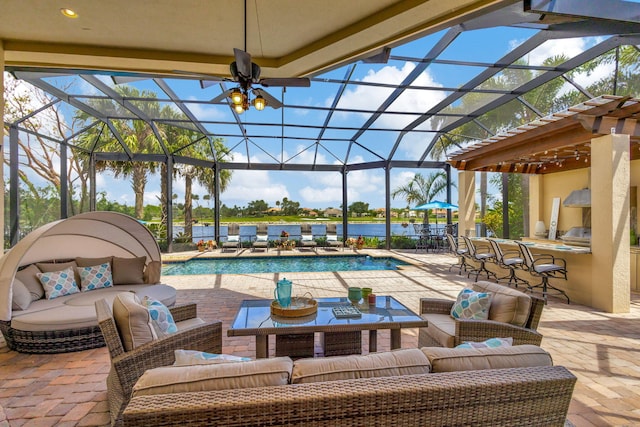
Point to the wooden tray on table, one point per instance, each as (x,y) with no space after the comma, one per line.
(300,307)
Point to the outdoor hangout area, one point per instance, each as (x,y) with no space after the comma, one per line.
(599,349)
(259,213)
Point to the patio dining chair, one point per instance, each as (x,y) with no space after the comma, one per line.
(128,365)
(461,253)
(481,258)
(545,266)
(511,260)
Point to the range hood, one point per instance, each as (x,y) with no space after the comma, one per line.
(578,199)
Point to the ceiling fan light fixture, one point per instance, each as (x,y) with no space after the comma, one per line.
(236,97)
(259,103)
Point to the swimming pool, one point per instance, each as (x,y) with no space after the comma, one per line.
(279,264)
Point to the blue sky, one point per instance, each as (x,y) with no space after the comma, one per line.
(324,189)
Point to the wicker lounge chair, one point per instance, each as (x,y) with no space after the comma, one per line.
(445,331)
(128,366)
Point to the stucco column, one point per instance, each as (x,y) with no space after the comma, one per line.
(2,149)
(467,203)
(536,205)
(610,223)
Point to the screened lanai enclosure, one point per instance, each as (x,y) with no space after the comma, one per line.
(404,109)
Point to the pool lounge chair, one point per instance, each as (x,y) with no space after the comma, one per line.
(332,238)
(233,238)
(262,238)
(307,242)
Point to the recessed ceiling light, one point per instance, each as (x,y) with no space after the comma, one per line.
(69,13)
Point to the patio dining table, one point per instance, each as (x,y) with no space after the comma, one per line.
(340,335)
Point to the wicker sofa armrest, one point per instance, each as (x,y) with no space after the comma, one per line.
(184,311)
(435,305)
(538,394)
(480,330)
(131,365)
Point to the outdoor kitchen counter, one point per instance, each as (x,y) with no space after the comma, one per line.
(579,265)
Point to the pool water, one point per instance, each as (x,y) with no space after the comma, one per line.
(279,265)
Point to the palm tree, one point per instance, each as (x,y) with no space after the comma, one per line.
(137,135)
(421,190)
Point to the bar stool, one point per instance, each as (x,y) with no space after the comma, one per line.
(511,260)
(480,257)
(545,266)
(461,253)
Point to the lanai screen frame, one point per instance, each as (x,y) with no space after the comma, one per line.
(620,33)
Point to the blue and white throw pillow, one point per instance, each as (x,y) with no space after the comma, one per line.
(58,283)
(472,305)
(193,357)
(95,277)
(490,343)
(161,317)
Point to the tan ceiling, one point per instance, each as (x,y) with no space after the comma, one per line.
(285,37)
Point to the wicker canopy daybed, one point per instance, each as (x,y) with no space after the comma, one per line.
(69,322)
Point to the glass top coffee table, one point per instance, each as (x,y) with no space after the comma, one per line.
(254,318)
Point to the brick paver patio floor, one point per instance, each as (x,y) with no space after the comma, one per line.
(601,349)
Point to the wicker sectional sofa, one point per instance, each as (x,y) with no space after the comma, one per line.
(409,387)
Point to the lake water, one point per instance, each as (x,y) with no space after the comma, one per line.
(355,229)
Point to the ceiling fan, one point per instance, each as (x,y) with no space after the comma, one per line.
(247,73)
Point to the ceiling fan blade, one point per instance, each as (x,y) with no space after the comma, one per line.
(288,82)
(222,96)
(120,80)
(271,101)
(243,63)
(208,83)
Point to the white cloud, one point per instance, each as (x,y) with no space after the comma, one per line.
(366,97)
(567,47)
(246,186)
(204,111)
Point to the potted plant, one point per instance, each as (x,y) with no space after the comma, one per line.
(211,245)
(284,236)
(351,242)
(201,245)
(360,242)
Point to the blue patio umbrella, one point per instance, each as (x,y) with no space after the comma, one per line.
(436,204)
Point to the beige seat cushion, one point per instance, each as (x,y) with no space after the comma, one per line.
(469,359)
(386,364)
(21,298)
(128,271)
(222,376)
(442,328)
(507,305)
(133,321)
(28,277)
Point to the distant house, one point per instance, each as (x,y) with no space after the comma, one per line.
(380,212)
(333,212)
(274,211)
(309,212)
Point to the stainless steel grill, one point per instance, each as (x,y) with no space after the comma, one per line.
(579,236)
